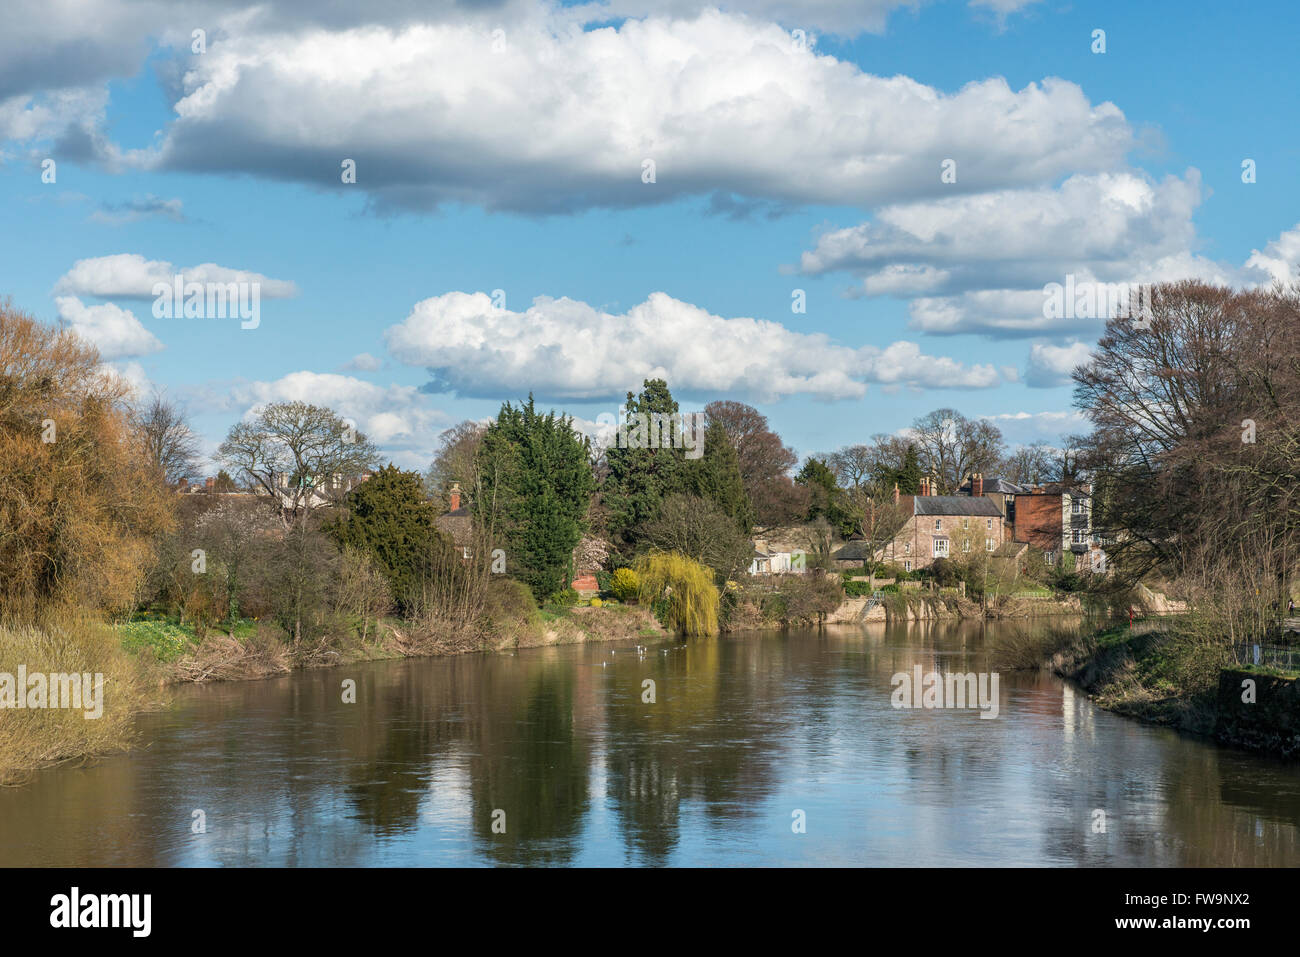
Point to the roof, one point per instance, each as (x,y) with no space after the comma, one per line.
(1001,486)
(954,505)
(854,551)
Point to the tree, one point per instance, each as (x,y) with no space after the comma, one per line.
(647,467)
(952,446)
(234,534)
(764,462)
(681,591)
(827,499)
(852,464)
(716,477)
(81,505)
(1034,464)
(389,518)
(300,454)
(535,485)
(701,530)
(454,462)
(879,520)
(169,442)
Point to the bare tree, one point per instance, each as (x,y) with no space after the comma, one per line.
(172,446)
(300,454)
(879,520)
(852,464)
(455,461)
(952,446)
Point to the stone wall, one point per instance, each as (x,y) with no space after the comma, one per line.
(1271,723)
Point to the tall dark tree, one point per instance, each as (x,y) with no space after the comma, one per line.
(716,477)
(828,500)
(390,518)
(535,485)
(646,463)
(765,463)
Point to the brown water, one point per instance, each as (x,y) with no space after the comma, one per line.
(745,732)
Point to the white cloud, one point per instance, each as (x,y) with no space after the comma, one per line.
(396,418)
(131,276)
(363,362)
(562,118)
(1051,365)
(567,349)
(115,331)
(1025,428)
(1280,259)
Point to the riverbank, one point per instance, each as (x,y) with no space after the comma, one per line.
(138,670)
(1162,673)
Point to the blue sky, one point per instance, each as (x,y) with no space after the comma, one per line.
(519,169)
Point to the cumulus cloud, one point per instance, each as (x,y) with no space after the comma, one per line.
(570,350)
(115,331)
(562,118)
(1279,260)
(1051,365)
(131,276)
(394,417)
(1025,428)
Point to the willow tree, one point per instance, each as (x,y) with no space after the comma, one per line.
(81,503)
(681,591)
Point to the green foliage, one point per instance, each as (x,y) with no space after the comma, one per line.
(680,591)
(164,639)
(389,518)
(716,477)
(537,482)
(639,476)
(828,500)
(625,584)
(564,598)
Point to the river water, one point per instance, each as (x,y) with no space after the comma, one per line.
(758,749)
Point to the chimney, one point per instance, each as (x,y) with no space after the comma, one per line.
(977,484)
(209,484)
(895,493)
(455,496)
(183,485)
(925,485)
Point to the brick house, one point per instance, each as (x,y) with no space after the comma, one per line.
(1057,518)
(944,526)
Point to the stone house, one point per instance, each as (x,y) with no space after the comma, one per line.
(944,526)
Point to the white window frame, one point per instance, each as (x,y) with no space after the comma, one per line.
(945,552)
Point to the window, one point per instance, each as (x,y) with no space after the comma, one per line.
(1080,536)
(907,565)
(965,544)
(1077,506)
(907,548)
(965,523)
(989,524)
(989,544)
(1047,558)
(941,548)
(938,525)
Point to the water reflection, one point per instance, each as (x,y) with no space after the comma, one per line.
(551,757)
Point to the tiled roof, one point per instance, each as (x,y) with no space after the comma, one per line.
(954,505)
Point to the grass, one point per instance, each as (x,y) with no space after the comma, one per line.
(165,640)
(31,739)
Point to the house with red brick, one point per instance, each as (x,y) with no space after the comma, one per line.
(944,526)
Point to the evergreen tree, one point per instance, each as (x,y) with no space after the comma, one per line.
(909,476)
(536,480)
(716,477)
(647,462)
(389,517)
(828,499)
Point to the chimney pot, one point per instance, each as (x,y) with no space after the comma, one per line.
(455,496)
(977,484)
(895,493)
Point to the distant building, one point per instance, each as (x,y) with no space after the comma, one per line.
(943,526)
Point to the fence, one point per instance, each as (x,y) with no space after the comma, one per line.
(1282,657)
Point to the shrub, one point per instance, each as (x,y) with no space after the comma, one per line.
(565,598)
(625,584)
(681,592)
(596,603)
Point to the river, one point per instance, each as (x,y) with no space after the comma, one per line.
(758,749)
